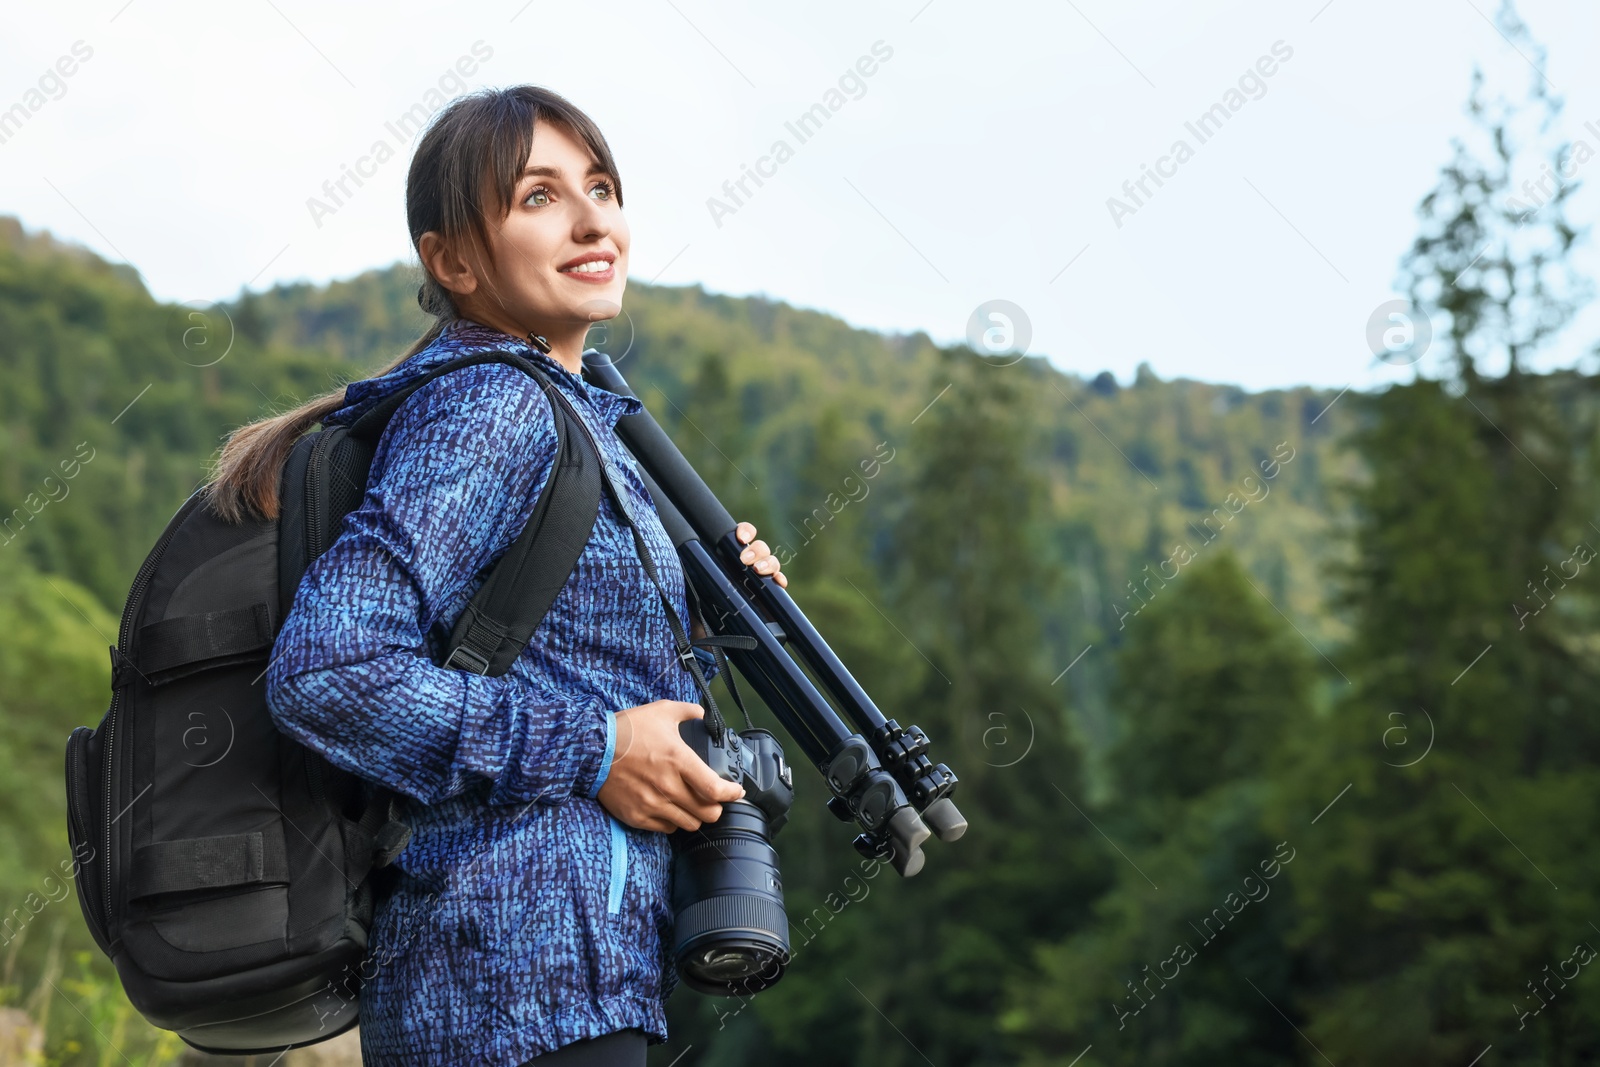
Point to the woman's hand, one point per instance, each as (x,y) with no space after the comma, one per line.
(656,781)
(758,556)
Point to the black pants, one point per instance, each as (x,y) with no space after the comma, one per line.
(625,1048)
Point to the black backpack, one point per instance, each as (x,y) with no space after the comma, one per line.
(229,870)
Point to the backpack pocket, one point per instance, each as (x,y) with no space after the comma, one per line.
(213,894)
(80,833)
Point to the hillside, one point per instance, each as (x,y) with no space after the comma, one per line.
(141,393)
(745,385)
(114,403)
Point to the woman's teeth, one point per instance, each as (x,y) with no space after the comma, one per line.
(594,266)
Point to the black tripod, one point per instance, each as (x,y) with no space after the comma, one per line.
(871,773)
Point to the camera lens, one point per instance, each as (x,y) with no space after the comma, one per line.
(731,933)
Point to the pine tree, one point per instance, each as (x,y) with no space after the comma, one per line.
(1210,682)
(919,968)
(1429,894)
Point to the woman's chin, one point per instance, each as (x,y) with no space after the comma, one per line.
(599,308)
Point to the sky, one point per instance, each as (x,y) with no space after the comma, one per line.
(969,154)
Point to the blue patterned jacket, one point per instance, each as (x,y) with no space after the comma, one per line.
(525,917)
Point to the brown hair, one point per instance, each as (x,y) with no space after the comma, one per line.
(469,161)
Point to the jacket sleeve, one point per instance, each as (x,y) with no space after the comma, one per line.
(453,482)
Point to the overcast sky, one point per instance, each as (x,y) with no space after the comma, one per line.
(974,162)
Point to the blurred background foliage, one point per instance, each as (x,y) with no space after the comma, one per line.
(1270,708)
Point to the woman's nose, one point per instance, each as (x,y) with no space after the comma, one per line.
(591,221)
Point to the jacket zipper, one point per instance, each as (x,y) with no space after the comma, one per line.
(619,835)
(619,866)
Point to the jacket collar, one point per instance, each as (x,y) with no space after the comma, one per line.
(465,335)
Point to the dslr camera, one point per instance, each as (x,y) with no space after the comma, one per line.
(732,935)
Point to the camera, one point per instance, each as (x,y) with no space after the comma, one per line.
(732,936)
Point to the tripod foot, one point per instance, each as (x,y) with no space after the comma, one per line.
(907,832)
(945,820)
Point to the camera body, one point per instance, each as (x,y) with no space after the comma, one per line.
(754,759)
(731,933)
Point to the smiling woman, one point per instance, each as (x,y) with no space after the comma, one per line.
(467,226)
(532,905)
(557,262)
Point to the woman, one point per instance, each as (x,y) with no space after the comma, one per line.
(532,909)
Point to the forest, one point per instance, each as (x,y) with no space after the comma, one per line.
(1268,707)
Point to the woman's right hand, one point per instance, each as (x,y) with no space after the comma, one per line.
(656,781)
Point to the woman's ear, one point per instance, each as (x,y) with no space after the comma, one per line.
(447,268)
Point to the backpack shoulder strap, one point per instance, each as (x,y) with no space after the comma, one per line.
(500,620)
(371,423)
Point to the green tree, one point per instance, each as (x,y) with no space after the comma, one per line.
(1205,689)
(1209,683)
(919,968)
(1430,913)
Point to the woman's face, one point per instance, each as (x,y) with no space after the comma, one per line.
(561,254)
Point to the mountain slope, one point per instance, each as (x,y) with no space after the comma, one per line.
(818,432)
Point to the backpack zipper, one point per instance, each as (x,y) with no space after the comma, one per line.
(81,832)
(147,571)
(141,582)
(314,545)
(315,494)
(111,733)
(313,769)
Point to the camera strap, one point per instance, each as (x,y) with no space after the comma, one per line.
(609,477)
(716,643)
(714,721)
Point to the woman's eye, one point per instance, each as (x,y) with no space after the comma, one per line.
(538,196)
(602,191)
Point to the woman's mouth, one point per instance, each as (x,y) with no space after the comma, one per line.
(596,267)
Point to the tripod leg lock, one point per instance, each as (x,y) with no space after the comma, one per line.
(867,791)
(850,761)
(905,754)
(869,795)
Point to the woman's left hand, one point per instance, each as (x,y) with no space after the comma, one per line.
(758,556)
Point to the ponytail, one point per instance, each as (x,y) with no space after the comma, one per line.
(245,478)
(247,470)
